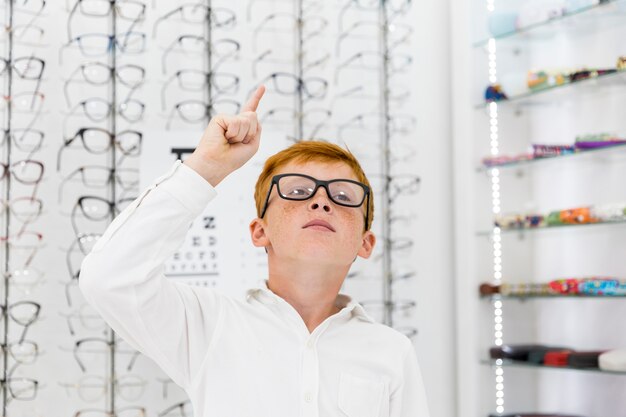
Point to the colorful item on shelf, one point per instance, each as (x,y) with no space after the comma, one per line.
(600,140)
(537,80)
(584,359)
(580,215)
(495,93)
(519,289)
(490,161)
(565,285)
(519,221)
(549,151)
(602,286)
(613,360)
(556,358)
(554,219)
(520,352)
(537,356)
(621,62)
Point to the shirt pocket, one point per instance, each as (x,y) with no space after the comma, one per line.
(360,397)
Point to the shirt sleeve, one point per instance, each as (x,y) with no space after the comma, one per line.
(123,278)
(409,399)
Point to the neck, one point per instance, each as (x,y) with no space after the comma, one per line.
(310,288)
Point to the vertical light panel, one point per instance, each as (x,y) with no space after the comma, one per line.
(498,327)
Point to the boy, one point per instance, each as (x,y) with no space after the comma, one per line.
(295,346)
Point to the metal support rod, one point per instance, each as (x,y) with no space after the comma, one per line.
(209,56)
(7,214)
(113,62)
(385,166)
(299,104)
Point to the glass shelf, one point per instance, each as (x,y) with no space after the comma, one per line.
(618,148)
(559,227)
(520,364)
(556,92)
(544,296)
(584,20)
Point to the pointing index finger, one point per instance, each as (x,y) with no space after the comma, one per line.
(253,102)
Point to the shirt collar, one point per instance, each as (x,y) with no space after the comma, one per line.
(263,294)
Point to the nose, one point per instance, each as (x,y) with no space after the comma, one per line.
(320,200)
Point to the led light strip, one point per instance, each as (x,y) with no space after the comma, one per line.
(495,208)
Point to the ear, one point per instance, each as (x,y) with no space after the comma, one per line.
(367,245)
(257,233)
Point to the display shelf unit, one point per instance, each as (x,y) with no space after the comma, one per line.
(545,228)
(587,18)
(521,364)
(612,151)
(570,90)
(589,37)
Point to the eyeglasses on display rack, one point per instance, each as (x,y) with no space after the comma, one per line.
(25,352)
(98,44)
(130,10)
(96,176)
(394,8)
(24,313)
(28,102)
(26,171)
(317,118)
(80,246)
(24,209)
(129,411)
(24,140)
(85,350)
(26,68)
(221,18)
(84,317)
(221,49)
(397,124)
(373,60)
(92,388)
(197,80)
(398,34)
(181,409)
(194,111)
(97,73)
(290,84)
(288,22)
(97,141)
(300,187)
(25,280)
(98,109)
(19,388)
(24,246)
(96,209)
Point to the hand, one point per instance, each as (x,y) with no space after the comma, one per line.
(228,142)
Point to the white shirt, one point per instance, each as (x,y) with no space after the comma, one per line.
(240,358)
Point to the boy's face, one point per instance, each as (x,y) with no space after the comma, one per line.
(286,229)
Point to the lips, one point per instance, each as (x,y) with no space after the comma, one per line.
(319,224)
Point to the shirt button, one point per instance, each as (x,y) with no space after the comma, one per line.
(309,344)
(308,397)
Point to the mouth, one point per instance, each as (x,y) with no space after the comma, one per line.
(319,225)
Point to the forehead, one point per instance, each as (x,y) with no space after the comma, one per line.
(319,170)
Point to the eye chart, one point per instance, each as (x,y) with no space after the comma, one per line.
(217,251)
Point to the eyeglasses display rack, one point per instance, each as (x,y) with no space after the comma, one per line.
(104,138)
(19,244)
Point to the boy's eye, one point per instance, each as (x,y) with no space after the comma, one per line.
(299,192)
(344,198)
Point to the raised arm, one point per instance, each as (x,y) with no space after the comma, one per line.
(123,276)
